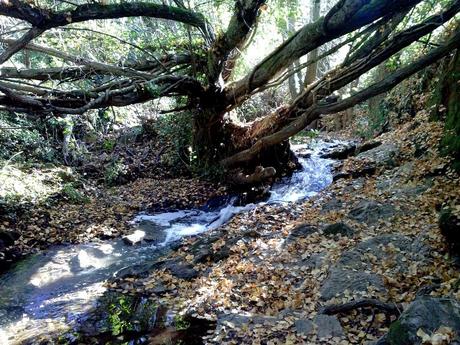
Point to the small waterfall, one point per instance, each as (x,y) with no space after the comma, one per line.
(54,289)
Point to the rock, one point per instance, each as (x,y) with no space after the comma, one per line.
(314,261)
(328,326)
(370,212)
(366,170)
(368,145)
(382,155)
(355,282)
(228,322)
(117,313)
(428,314)
(333,230)
(8,237)
(202,250)
(301,231)
(449,223)
(304,327)
(397,248)
(177,268)
(135,238)
(332,205)
(338,151)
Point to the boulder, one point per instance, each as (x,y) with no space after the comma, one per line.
(328,326)
(368,145)
(370,212)
(383,155)
(341,280)
(338,151)
(325,326)
(301,231)
(398,248)
(336,229)
(428,314)
(177,268)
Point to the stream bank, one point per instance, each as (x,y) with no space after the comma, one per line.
(286,272)
(339,268)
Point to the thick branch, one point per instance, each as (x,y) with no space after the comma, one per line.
(346,17)
(241,23)
(43,20)
(315,111)
(389,308)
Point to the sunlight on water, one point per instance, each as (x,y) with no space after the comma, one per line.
(51,290)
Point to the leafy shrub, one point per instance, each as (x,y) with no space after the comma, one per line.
(175,131)
(20,135)
(114,171)
(73,195)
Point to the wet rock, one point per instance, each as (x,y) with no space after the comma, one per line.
(355,282)
(301,231)
(117,313)
(334,230)
(449,223)
(202,250)
(361,171)
(177,268)
(426,313)
(368,145)
(8,237)
(383,155)
(328,326)
(339,151)
(370,212)
(135,238)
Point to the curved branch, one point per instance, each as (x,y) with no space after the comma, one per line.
(43,20)
(314,112)
(346,17)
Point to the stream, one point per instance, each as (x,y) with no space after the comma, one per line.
(51,292)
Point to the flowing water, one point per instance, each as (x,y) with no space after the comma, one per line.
(50,292)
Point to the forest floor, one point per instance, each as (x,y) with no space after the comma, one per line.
(58,214)
(267,275)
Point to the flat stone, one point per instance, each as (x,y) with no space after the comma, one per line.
(383,155)
(340,280)
(398,248)
(426,313)
(370,212)
(339,151)
(135,238)
(301,231)
(304,327)
(328,326)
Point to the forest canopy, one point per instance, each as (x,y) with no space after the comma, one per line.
(210,58)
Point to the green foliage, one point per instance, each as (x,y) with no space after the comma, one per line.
(109,145)
(20,136)
(175,131)
(73,195)
(181,323)
(114,171)
(118,312)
